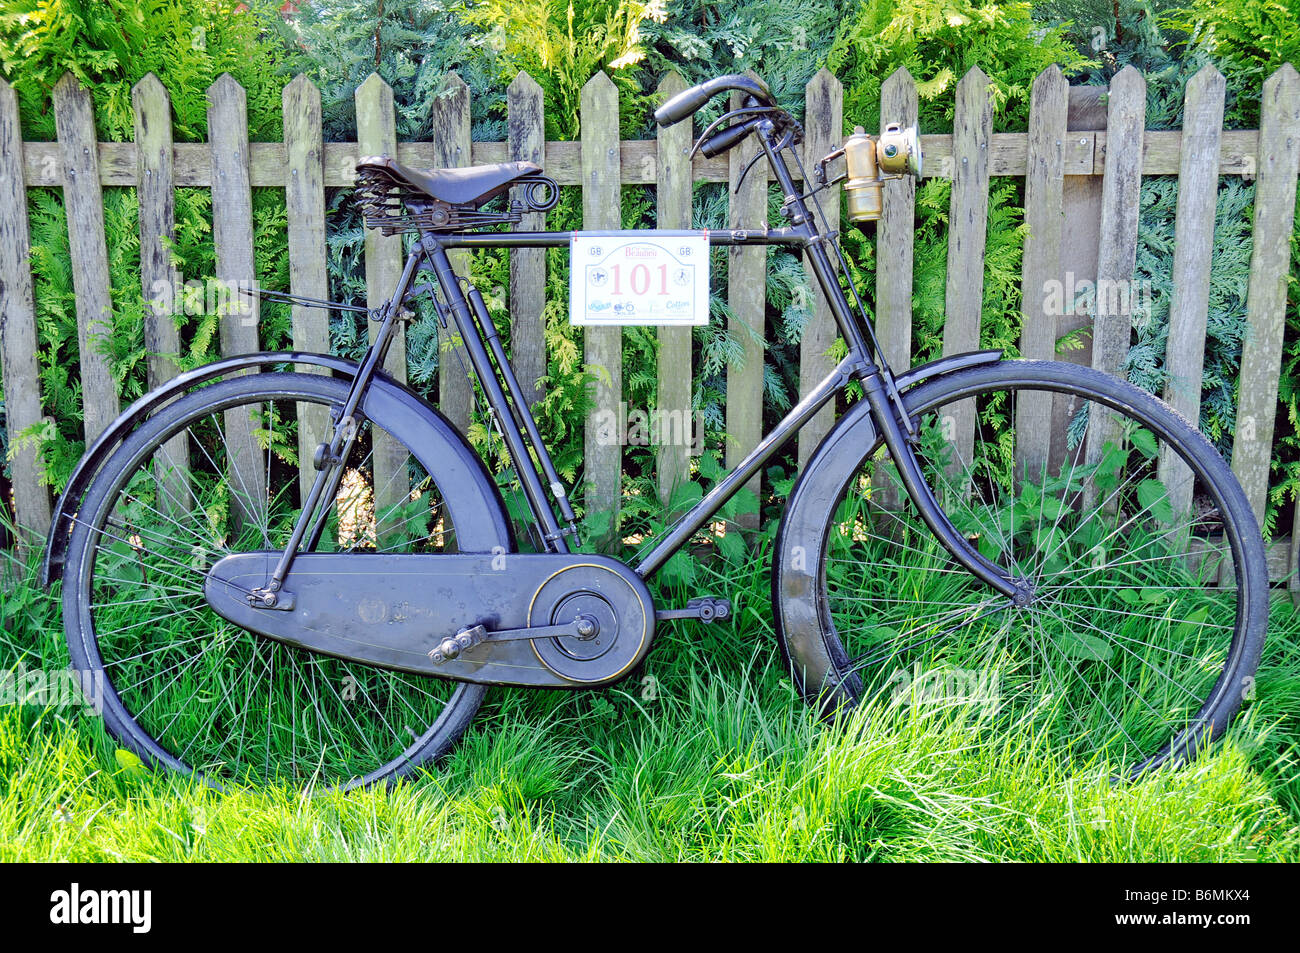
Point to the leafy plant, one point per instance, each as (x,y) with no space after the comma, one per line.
(938,43)
(563,44)
(109,45)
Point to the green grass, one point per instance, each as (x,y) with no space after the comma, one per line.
(703,754)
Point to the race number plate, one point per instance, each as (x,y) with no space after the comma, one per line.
(639,278)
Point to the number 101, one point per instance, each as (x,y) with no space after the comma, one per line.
(639,278)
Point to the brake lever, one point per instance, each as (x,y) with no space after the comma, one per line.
(748,111)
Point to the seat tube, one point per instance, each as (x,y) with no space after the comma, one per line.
(480,359)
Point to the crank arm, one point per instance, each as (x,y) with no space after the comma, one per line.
(705,609)
(582,627)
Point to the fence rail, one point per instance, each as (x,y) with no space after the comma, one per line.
(1082,163)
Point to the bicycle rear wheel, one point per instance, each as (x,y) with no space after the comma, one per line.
(216,472)
(1148,568)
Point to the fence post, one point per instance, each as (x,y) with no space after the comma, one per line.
(451,149)
(1261,357)
(972,132)
(1080,240)
(898,103)
(526,132)
(823,133)
(747,298)
(894,256)
(155,191)
(1044,188)
(1198,191)
(232,234)
(304,196)
(84,201)
(1121,188)
(18,344)
(601,173)
(377,135)
(673,198)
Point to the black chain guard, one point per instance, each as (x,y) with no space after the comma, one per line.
(394,610)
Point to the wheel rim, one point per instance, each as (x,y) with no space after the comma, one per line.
(198,693)
(1124,654)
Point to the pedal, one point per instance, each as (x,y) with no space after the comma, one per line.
(705,609)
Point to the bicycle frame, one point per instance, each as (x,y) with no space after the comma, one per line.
(864,363)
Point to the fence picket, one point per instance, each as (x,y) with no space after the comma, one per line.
(18,343)
(1081,208)
(894,254)
(898,103)
(526,133)
(673,201)
(967,225)
(1117,249)
(1198,190)
(232,236)
(377,135)
(159,280)
(747,298)
(84,201)
(451,149)
(1044,188)
(304,197)
(602,442)
(823,134)
(1261,357)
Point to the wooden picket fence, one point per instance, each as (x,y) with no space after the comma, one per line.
(1082,160)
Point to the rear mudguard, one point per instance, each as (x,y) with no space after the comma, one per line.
(799,619)
(438,432)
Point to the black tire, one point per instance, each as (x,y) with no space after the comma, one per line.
(104,540)
(852,548)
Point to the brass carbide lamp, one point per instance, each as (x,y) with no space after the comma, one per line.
(869,161)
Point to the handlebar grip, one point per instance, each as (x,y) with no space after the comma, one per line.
(688,101)
(720,142)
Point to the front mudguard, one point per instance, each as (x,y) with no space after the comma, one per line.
(798,593)
(438,430)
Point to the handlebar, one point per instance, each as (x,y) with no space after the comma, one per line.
(689,101)
(720,142)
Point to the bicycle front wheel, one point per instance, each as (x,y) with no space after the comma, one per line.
(220,471)
(1150,589)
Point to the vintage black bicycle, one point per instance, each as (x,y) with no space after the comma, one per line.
(248,616)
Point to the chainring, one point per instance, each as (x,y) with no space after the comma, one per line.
(622,611)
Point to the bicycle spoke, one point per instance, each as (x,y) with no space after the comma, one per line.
(214,696)
(1132,610)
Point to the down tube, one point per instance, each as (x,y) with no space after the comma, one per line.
(701,512)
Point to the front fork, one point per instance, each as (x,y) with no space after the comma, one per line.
(886,402)
(902,450)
